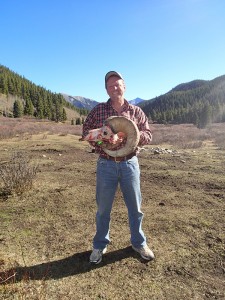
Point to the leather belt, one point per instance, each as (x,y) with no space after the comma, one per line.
(118,159)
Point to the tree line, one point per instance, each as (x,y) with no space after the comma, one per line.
(198,102)
(34,100)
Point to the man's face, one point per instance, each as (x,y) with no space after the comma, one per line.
(115,87)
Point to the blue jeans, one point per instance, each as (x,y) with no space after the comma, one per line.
(109,175)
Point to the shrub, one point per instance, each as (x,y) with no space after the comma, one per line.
(18,174)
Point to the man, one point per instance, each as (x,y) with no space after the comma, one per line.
(112,171)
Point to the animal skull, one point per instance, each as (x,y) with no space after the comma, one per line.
(114,129)
(131,132)
(104,133)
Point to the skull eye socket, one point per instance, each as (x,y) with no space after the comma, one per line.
(104,132)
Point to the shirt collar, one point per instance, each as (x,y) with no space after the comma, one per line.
(126,103)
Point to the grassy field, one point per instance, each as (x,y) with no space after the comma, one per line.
(46,233)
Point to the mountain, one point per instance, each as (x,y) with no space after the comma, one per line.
(189,85)
(80,102)
(198,102)
(136,101)
(19,96)
(38,101)
(86,103)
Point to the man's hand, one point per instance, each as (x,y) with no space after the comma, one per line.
(93,144)
(112,144)
(114,139)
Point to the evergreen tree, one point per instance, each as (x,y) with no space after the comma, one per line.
(205,116)
(64,117)
(17,109)
(58,112)
(39,109)
(28,108)
(3,85)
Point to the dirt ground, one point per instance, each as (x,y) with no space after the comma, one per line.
(46,233)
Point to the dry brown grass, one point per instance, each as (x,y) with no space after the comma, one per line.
(25,128)
(181,136)
(17,174)
(46,233)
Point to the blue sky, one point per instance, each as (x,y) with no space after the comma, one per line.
(68,46)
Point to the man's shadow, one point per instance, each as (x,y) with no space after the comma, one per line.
(69,266)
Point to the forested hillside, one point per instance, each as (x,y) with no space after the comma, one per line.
(31,99)
(198,102)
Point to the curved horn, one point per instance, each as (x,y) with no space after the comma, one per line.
(127,126)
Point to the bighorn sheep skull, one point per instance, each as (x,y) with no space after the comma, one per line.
(104,133)
(110,131)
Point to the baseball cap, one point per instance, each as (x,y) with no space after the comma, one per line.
(112,73)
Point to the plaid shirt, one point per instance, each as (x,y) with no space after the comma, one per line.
(102,111)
